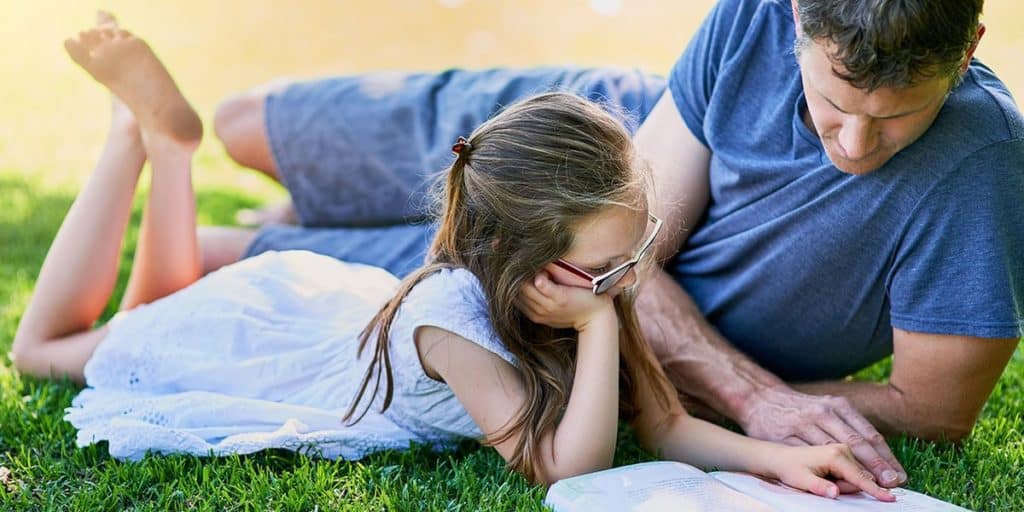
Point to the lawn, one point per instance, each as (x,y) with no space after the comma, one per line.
(53,123)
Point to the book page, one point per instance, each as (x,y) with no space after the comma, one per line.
(651,486)
(789,499)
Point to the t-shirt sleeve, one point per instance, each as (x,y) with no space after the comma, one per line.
(692,79)
(959,268)
(453,300)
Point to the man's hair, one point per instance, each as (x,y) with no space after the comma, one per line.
(892,43)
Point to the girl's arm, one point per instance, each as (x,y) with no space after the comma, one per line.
(673,434)
(491,391)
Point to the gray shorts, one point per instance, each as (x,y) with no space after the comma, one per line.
(359,153)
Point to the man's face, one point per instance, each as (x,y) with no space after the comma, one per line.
(861,131)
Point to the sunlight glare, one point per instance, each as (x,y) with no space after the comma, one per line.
(606,7)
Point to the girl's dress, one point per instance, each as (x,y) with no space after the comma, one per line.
(262,354)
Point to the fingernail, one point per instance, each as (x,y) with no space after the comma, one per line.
(889,475)
(903,476)
(833,492)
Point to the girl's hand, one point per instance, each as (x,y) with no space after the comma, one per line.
(549,303)
(805,467)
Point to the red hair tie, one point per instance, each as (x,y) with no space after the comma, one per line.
(460,145)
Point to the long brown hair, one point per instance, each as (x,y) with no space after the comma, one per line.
(509,205)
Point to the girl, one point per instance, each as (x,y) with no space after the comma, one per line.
(301,351)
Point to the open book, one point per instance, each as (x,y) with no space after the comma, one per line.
(674,486)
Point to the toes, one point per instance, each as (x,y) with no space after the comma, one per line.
(77,50)
(107,33)
(89,39)
(104,18)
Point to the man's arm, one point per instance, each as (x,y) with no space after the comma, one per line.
(937,387)
(698,360)
(679,166)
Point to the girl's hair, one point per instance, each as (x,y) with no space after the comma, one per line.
(511,202)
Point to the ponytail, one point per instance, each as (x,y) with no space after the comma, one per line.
(456,217)
(443,253)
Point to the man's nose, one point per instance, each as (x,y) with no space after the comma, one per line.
(858,137)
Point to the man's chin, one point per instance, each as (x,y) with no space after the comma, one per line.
(857,167)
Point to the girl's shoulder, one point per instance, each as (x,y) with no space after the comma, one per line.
(454,300)
(454,285)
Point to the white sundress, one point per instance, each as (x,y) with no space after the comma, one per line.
(262,354)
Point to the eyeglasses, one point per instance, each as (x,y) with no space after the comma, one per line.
(607,280)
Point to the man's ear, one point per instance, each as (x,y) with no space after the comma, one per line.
(974,46)
(796,19)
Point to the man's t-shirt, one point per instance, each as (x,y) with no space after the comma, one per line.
(806,268)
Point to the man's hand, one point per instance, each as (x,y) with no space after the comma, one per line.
(702,364)
(781,414)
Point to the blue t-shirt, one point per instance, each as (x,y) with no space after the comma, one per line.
(806,268)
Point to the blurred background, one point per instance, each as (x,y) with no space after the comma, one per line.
(54,116)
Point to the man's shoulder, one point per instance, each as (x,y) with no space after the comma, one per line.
(752,5)
(743,15)
(978,115)
(984,93)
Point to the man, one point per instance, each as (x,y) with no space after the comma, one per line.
(840,182)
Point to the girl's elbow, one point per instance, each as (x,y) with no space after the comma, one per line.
(653,435)
(549,478)
(551,471)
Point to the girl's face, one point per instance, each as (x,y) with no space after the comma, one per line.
(603,241)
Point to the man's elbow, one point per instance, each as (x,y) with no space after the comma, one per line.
(938,422)
(951,430)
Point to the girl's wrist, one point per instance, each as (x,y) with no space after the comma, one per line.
(604,318)
(765,458)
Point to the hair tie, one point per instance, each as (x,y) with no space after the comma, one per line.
(460,145)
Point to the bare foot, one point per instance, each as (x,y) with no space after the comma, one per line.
(136,77)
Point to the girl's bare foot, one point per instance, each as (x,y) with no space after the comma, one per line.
(121,118)
(128,67)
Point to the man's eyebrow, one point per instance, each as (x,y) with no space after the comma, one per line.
(891,116)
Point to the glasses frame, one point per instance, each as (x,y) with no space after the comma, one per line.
(604,282)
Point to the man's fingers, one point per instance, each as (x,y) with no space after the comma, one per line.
(848,426)
(870,435)
(815,436)
(845,467)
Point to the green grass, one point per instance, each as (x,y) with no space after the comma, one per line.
(47,471)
